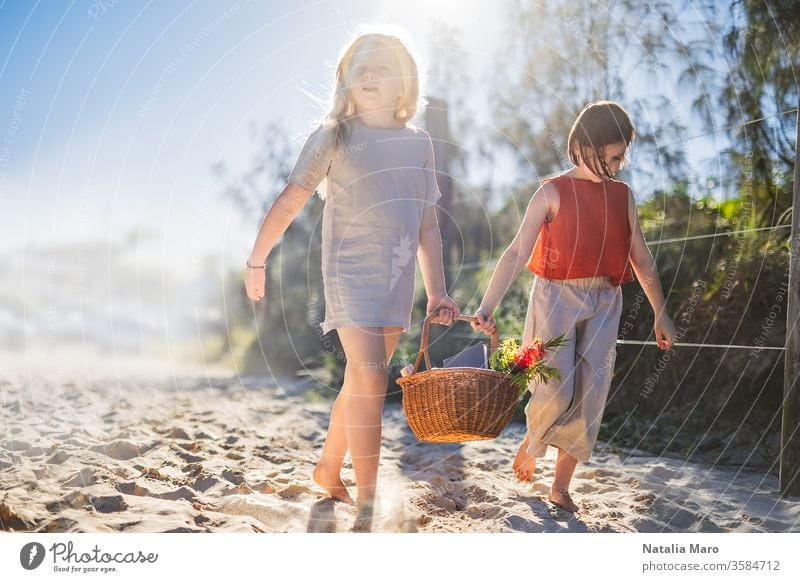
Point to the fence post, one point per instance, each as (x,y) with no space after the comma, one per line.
(790,417)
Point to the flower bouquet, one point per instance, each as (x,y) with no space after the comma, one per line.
(526,363)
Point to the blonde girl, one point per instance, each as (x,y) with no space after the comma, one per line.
(380,192)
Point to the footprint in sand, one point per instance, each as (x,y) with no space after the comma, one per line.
(13,520)
(57,458)
(446,503)
(120,450)
(234,476)
(661,473)
(205,483)
(59,524)
(109,503)
(132,488)
(192,446)
(24,448)
(85,477)
(81,500)
(178,433)
(294,491)
(266,488)
(592,474)
(189,458)
(180,493)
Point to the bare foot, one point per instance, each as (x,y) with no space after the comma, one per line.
(561,498)
(332,484)
(524,464)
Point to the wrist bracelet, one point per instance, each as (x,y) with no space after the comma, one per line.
(264,266)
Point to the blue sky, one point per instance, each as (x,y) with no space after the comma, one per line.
(117,109)
(112,113)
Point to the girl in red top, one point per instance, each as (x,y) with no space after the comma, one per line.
(586,232)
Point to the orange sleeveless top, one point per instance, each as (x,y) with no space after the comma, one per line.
(589,237)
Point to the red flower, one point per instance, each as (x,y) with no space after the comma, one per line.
(527,356)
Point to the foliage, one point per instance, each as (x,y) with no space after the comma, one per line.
(724,280)
(526,363)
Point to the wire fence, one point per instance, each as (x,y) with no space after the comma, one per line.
(490,264)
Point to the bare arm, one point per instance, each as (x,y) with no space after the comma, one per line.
(280,215)
(642,260)
(429,254)
(518,253)
(646,271)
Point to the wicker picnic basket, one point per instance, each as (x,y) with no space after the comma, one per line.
(447,405)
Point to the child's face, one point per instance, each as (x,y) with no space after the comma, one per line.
(375,79)
(613,154)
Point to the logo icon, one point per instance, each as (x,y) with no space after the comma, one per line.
(31,556)
(402,256)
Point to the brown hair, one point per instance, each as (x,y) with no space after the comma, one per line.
(599,124)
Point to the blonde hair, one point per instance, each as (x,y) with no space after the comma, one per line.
(342,107)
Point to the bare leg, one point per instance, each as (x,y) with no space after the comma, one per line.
(559,492)
(327,473)
(366,389)
(524,463)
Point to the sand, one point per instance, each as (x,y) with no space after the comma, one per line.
(104,443)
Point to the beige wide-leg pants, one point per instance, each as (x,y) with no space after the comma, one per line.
(566,413)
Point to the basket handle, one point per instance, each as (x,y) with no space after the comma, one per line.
(423,345)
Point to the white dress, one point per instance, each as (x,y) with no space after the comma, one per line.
(379,185)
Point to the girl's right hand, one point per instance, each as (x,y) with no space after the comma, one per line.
(255,283)
(485,323)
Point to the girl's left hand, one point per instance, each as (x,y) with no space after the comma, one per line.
(448,310)
(665,332)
